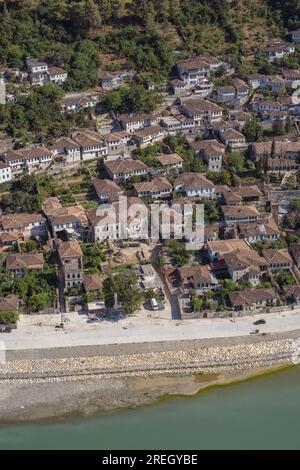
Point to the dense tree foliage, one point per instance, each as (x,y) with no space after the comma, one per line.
(130,99)
(71,33)
(36,289)
(37,113)
(123,284)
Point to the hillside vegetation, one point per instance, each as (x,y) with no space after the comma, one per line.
(81,34)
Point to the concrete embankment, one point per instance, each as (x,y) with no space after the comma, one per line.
(200,359)
(34,388)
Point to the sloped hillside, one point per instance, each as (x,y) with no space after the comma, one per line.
(82,35)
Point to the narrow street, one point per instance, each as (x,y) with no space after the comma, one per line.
(172,298)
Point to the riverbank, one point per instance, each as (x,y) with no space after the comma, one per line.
(59,387)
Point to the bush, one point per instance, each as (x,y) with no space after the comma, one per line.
(9,317)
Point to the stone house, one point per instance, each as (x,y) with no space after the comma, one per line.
(278,259)
(18,263)
(251,300)
(124,169)
(71,259)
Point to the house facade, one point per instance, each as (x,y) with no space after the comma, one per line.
(5,172)
(252,300)
(123,170)
(158,188)
(194,185)
(71,259)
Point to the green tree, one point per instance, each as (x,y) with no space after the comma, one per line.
(252,129)
(235,161)
(278,128)
(123,284)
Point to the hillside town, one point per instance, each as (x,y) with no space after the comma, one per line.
(215,139)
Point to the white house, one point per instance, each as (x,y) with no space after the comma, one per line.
(67,148)
(202,111)
(91,144)
(57,75)
(5,173)
(122,170)
(194,185)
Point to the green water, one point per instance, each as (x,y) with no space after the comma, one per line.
(259,414)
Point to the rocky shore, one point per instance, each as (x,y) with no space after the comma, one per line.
(56,387)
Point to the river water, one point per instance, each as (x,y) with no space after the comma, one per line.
(263,413)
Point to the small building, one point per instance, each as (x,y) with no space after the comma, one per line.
(281,165)
(136,122)
(191,71)
(158,188)
(106,189)
(291,77)
(262,230)
(275,82)
(69,221)
(91,145)
(5,172)
(277,49)
(117,142)
(194,185)
(57,75)
(148,135)
(256,80)
(149,277)
(211,151)
(21,262)
(68,149)
(202,111)
(234,140)
(124,169)
(30,225)
(179,87)
(71,259)
(235,213)
(278,259)
(10,239)
(198,279)
(211,232)
(170,161)
(171,124)
(111,80)
(76,103)
(251,300)
(224,94)
(218,249)
(245,265)
(240,195)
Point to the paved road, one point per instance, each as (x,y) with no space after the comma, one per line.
(138,329)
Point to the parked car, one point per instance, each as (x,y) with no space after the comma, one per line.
(5,329)
(94,320)
(260,322)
